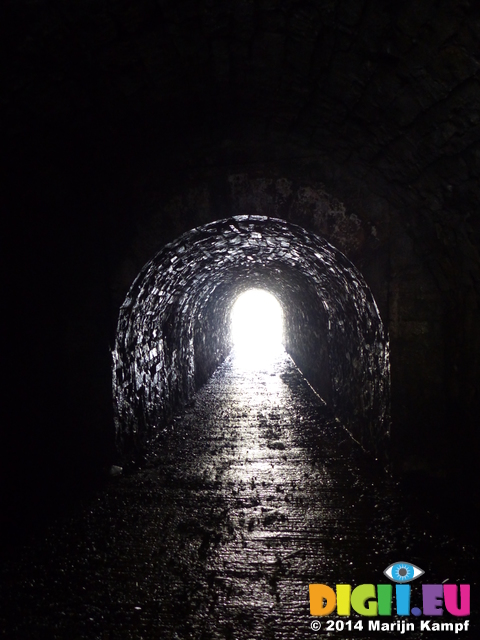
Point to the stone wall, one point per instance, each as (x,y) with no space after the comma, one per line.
(126,124)
(174,325)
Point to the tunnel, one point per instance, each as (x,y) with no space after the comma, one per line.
(174,326)
(161,157)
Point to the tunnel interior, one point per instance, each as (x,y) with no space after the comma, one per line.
(174,326)
(160,158)
(127,124)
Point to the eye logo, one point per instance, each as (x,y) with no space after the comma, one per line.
(403,572)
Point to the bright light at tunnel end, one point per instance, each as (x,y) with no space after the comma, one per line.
(256,325)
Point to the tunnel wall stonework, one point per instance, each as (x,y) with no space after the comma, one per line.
(173,328)
(126,127)
(417,287)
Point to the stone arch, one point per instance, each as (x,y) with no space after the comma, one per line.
(173,327)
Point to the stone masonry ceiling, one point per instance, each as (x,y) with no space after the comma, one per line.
(173,328)
(387,83)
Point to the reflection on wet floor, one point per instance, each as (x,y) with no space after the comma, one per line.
(249,496)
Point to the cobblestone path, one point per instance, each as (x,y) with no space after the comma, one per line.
(246,498)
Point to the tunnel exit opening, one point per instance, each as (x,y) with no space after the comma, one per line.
(256,327)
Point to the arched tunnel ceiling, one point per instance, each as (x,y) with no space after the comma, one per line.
(111,108)
(388,91)
(173,328)
(384,81)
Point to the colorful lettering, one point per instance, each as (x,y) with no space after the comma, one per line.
(322,600)
(450,593)
(402,595)
(384,596)
(363,601)
(343,599)
(370,600)
(432,599)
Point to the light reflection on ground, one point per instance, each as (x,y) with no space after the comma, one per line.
(247,497)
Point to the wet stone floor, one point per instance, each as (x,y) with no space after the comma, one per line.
(245,499)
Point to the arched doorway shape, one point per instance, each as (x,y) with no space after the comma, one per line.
(173,328)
